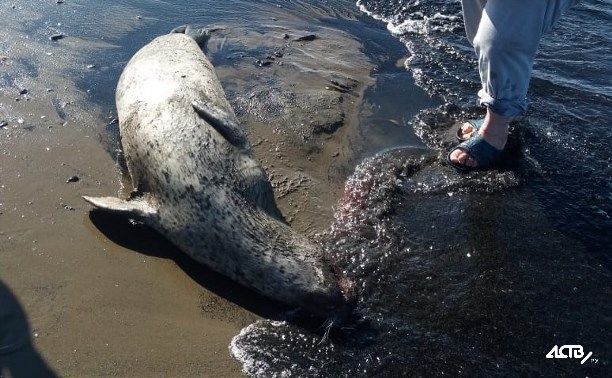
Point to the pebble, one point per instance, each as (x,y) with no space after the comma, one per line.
(3,124)
(307,38)
(91,66)
(338,84)
(23,91)
(56,37)
(73,179)
(67,207)
(262,63)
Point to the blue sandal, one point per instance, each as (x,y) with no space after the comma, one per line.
(476,124)
(486,156)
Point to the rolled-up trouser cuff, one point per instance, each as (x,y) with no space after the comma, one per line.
(503,107)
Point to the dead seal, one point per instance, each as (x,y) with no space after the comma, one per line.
(196,181)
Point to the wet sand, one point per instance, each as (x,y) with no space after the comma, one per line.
(104,297)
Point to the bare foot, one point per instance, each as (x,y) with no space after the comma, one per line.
(467,129)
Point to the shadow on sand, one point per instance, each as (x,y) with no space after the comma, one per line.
(144,240)
(18,357)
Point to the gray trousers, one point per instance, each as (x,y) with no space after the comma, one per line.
(505,35)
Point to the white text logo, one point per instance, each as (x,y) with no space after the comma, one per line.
(570,351)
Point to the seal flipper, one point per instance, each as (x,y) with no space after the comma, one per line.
(223,122)
(136,208)
(199,34)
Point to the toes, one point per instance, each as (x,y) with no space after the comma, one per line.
(466,130)
(461,157)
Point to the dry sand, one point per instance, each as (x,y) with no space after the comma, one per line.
(102,297)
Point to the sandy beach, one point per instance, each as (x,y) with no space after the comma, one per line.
(92,295)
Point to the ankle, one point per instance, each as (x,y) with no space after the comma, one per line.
(497,121)
(495,129)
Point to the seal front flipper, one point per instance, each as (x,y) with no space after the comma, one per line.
(223,122)
(135,208)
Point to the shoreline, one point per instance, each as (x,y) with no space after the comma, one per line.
(98,303)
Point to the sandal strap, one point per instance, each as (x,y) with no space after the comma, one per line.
(476,123)
(481,151)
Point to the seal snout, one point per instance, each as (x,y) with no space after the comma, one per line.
(337,302)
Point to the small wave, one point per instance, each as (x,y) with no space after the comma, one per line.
(407,22)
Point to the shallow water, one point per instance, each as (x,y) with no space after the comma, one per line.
(457,276)
(567,133)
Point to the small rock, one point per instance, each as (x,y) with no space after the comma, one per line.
(56,37)
(3,58)
(307,38)
(338,84)
(23,91)
(67,207)
(60,1)
(91,66)
(73,179)
(285,36)
(278,54)
(262,63)
(113,121)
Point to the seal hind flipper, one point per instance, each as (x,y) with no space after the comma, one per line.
(137,208)
(223,122)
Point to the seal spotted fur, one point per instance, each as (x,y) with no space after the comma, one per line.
(196,181)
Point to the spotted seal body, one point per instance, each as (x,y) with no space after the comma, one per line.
(196,182)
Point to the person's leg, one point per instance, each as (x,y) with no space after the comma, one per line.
(506,43)
(472,13)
